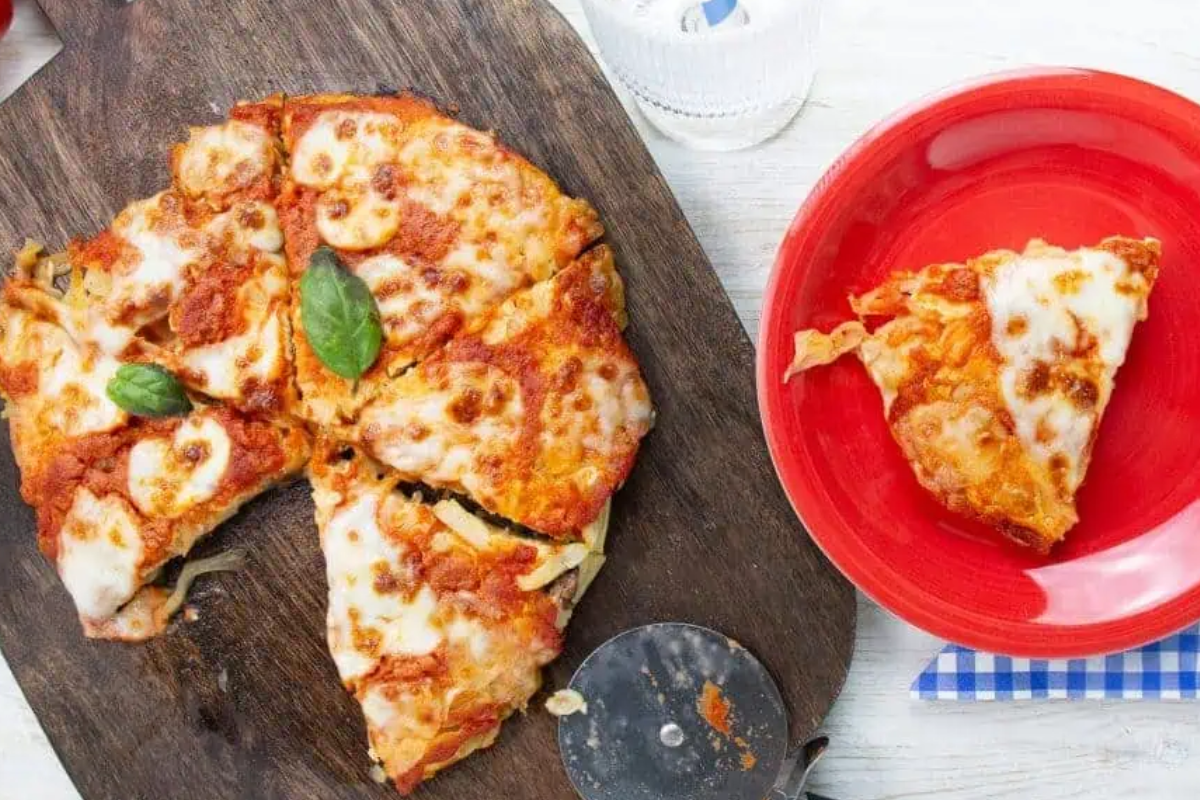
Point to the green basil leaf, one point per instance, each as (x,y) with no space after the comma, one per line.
(339,315)
(148,390)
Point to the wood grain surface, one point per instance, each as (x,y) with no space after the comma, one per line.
(700,533)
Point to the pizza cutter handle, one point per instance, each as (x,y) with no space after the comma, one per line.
(797,766)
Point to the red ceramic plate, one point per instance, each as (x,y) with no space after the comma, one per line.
(1070,156)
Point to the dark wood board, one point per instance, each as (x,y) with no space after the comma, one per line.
(701,532)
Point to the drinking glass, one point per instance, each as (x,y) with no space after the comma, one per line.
(711,74)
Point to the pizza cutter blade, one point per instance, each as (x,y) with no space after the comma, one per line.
(674,711)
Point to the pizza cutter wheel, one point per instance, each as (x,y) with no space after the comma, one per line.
(678,712)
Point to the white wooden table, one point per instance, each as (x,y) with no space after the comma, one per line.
(877,55)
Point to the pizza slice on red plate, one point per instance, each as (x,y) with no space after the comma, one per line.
(995,374)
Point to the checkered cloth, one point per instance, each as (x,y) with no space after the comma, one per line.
(1166,670)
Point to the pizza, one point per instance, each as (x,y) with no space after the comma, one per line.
(440,220)
(425,304)
(118,495)
(535,413)
(439,622)
(995,374)
(193,277)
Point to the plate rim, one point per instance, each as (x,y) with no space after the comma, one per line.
(1082,641)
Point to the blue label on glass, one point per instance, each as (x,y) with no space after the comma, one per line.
(717,11)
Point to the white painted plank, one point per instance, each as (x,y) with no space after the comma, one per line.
(29,44)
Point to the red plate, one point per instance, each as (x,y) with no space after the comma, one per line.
(1070,156)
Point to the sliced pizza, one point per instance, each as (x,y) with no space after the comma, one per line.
(995,374)
(439,623)
(193,277)
(54,389)
(114,508)
(441,221)
(535,413)
(477,402)
(118,496)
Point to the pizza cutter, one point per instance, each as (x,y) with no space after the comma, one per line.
(679,712)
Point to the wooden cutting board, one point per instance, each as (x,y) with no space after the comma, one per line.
(245,702)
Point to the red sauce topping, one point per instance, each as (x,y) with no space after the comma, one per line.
(207,309)
(20,379)
(961,284)
(100,462)
(714,708)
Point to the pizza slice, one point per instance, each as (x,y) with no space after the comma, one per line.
(535,413)
(192,278)
(114,508)
(995,373)
(439,623)
(117,496)
(54,388)
(441,221)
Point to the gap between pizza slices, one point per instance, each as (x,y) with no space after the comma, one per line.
(995,374)
(462,482)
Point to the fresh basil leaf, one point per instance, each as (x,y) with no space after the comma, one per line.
(148,390)
(339,315)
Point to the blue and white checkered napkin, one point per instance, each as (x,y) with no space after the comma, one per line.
(1166,670)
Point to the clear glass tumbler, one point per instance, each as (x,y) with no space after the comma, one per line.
(711,74)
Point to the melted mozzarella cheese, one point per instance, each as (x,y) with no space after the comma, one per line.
(586,421)
(418,433)
(85,323)
(168,478)
(250,225)
(491,268)
(467,632)
(886,355)
(1044,306)
(99,550)
(259,353)
(74,391)
(613,405)
(355,550)
(340,140)
(156,272)
(20,337)
(459,171)
(407,304)
(222,158)
(69,398)
(357,217)
(401,723)
(463,174)
(112,339)
(519,312)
